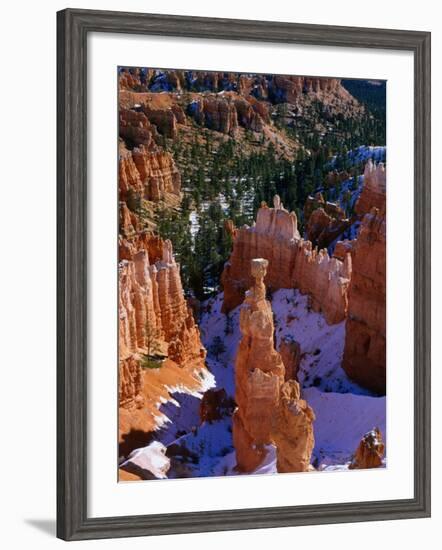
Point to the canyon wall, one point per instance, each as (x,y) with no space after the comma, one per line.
(271,88)
(365,343)
(293,263)
(145,170)
(269,410)
(159,342)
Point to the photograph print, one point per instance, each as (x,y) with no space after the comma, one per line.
(251,274)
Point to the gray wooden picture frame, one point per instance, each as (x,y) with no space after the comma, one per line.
(73,27)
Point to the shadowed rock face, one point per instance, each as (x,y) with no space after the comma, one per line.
(370,451)
(269,411)
(293,263)
(290,351)
(365,342)
(325,221)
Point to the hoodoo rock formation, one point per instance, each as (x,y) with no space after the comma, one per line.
(324,220)
(293,430)
(155,323)
(370,451)
(365,342)
(145,170)
(293,263)
(153,311)
(259,375)
(296,90)
(269,410)
(374,190)
(228,112)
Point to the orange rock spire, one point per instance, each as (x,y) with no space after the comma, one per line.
(269,410)
(259,375)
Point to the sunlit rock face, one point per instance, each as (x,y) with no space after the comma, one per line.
(259,375)
(152,175)
(370,451)
(145,169)
(153,310)
(374,190)
(293,430)
(293,263)
(365,343)
(155,323)
(269,410)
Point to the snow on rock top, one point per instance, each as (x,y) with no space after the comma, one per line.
(151,458)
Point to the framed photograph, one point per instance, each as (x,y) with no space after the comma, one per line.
(243,274)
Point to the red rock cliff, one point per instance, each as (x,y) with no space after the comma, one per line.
(154,320)
(145,170)
(293,263)
(374,189)
(365,345)
(152,307)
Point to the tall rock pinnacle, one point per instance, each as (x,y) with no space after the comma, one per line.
(269,410)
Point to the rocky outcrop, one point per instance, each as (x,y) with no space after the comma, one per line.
(370,451)
(365,344)
(151,175)
(259,375)
(159,342)
(146,171)
(135,129)
(226,113)
(153,312)
(271,88)
(293,263)
(324,221)
(365,341)
(148,462)
(342,248)
(130,383)
(166,120)
(293,430)
(270,411)
(290,351)
(215,112)
(374,190)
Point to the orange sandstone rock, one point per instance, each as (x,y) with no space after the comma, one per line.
(370,451)
(293,430)
(293,263)
(365,340)
(324,220)
(290,352)
(374,190)
(154,320)
(259,374)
